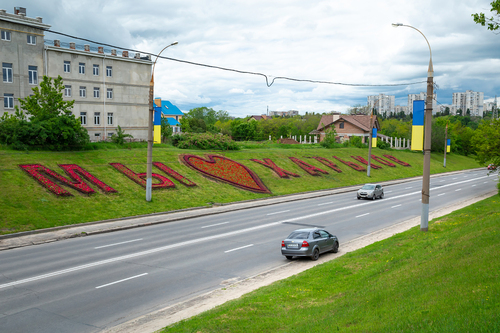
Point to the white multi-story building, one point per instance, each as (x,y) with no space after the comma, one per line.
(384,104)
(469,100)
(109,89)
(290,113)
(399,108)
(421,97)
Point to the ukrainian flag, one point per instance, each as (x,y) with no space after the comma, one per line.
(374,137)
(157,125)
(417,129)
(448,145)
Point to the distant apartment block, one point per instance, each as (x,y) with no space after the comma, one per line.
(421,97)
(469,100)
(384,104)
(400,108)
(109,88)
(290,113)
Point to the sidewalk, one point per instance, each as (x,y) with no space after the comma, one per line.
(49,235)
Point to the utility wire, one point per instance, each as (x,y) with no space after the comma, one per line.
(267,77)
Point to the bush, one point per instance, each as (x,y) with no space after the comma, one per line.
(205,141)
(383,145)
(355,141)
(119,136)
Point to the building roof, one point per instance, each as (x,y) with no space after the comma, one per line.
(258,117)
(173,122)
(168,109)
(361,121)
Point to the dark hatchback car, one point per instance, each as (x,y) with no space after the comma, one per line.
(309,243)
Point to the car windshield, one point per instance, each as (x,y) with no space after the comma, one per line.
(299,235)
(368,187)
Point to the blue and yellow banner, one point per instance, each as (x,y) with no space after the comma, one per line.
(448,145)
(157,124)
(417,129)
(374,137)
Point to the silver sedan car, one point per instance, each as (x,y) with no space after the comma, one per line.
(309,243)
(371,191)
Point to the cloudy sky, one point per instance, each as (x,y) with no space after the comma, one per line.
(349,42)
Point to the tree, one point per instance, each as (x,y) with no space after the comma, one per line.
(492,22)
(359,109)
(50,123)
(486,142)
(166,129)
(119,136)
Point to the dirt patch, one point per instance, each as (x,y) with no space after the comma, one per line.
(289,141)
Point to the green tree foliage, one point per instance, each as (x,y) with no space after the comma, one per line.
(202,119)
(493,22)
(49,124)
(205,141)
(359,109)
(486,142)
(166,130)
(120,136)
(243,130)
(330,138)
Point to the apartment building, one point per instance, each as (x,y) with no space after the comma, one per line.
(421,97)
(468,100)
(290,113)
(109,87)
(384,104)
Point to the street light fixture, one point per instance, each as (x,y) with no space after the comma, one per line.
(149,178)
(424,219)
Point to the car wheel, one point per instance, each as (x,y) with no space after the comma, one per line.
(374,197)
(382,195)
(359,198)
(289,257)
(315,255)
(335,248)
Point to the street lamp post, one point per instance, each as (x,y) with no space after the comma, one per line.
(445,144)
(424,219)
(370,141)
(149,178)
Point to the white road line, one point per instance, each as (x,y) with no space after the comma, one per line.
(396,206)
(130,278)
(208,238)
(325,203)
(458,190)
(473,185)
(406,188)
(441,181)
(213,225)
(485,182)
(238,248)
(453,178)
(130,241)
(441,194)
(283,211)
(362,215)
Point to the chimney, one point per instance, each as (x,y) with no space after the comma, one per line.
(20,11)
(100,49)
(86,47)
(72,46)
(113,52)
(137,55)
(3,11)
(57,42)
(125,54)
(39,19)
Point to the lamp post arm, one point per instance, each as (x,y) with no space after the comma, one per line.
(431,69)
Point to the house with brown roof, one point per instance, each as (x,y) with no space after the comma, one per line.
(346,126)
(257,118)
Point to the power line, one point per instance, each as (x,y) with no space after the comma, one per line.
(267,77)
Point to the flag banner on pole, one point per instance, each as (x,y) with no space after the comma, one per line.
(417,129)
(374,137)
(448,145)
(157,125)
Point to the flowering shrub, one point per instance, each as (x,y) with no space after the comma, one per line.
(310,169)
(351,164)
(177,176)
(270,164)
(37,171)
(365,162)
(382,161)
(204,141)
(328,163)
(140,178)
(226,170)
(392,158)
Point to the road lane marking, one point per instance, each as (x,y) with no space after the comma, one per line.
(362,215)
(453,178)
(473,185)
(130,241)
(396,206)
(213,225)
(130,278)
(283,211)
(238,248)
(458,190)
(406,188)
(485,182)
(441,194)
(325,203)
(208,238)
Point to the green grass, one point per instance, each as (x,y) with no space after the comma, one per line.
(25,205)
(444,280)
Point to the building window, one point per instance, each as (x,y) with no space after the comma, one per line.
(83,118)
(109,93)
(67,91)
(8,101)
(97,118)
(341,125)
(31,40)
(96,92)
(6,35)
(83,92)
(81,68)
(95,70)
(32,75)
(110,118)
(110,135)
(109,71)
(67,66)
(7,72)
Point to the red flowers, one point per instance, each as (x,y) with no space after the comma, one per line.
(392,158)
(328,163)
(139,178)
(270,164)
(352,165)
(310,169)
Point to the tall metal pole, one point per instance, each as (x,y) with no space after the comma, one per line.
(424,219)
(445,144)
(149,172)
(370,144)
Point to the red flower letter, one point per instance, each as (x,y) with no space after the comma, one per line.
(312,170)
(270,164)
(180,178)
(392,158)
(365,162)
(352,165)
(384,162)
(328,163)
(139,178)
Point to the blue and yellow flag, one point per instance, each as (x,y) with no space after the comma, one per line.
(448,145)
(374,137)
(157,125)
(417,129)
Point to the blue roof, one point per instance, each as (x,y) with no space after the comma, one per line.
(173,122)
(169,109)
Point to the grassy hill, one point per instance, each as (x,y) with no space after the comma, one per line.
(26,205)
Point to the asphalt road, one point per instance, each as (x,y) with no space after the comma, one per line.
(92,283)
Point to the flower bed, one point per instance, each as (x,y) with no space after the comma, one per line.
(177,176)
(351,164)
(140,178)
(384,162)
(270,164)
(226,170)
(310,169)
(392,158)
(365,162)
(328,163)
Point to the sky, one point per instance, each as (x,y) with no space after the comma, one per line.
(349,42)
